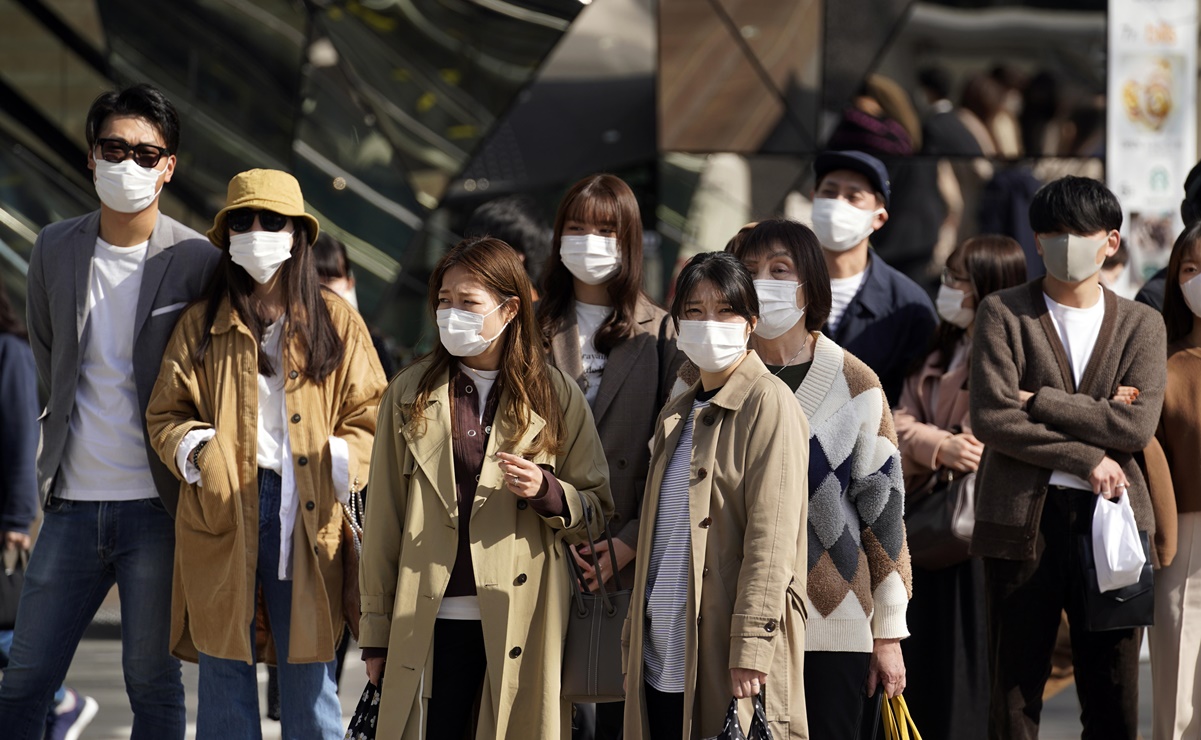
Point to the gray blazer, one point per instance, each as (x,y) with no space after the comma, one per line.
(634,387)
(178,265)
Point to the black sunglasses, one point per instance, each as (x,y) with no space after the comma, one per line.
(144,155)
(242,219)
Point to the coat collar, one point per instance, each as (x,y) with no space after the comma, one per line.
(738,387)
(621,360)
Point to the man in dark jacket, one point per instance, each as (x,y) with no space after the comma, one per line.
(877,314)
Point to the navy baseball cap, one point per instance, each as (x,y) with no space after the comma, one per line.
(865,164)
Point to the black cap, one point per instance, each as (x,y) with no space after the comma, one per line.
(865,164)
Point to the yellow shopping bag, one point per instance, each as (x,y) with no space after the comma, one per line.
(898,724)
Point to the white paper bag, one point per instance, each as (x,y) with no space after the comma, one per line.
(1117,549)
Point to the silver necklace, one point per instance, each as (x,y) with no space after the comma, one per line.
(804,344)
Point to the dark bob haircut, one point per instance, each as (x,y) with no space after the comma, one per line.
(800,243)
(1177,316)
(1080,205)
(141,101)
(727,273)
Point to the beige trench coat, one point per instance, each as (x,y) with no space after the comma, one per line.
(748,500)
(521,576)
(217,524)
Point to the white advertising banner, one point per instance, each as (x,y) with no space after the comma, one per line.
(1151,133)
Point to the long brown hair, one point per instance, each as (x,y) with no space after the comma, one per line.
(992,262)
(598,199)
(523,368)
(306,317)
(1177,316)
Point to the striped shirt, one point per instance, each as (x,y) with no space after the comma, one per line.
(667,580)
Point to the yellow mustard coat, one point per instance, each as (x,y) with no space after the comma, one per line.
(521,576)
(748,497)
(217,524)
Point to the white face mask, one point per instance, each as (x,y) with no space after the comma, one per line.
(460,331)
(713,346)
(778,311)
(950,307)
(591,258)
(125,186)
(839,225)
(260,253)
(1192,294)
(1071,258)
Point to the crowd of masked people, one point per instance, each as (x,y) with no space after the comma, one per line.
(753,450)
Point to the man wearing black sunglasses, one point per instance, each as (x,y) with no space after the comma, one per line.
(105,290)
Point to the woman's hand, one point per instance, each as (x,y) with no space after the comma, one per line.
(624,554)
(961,452)
(746,682)
(375,670)
(1126,394)
(887,669)
(522,477)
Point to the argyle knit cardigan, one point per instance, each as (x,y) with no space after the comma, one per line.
(860,576)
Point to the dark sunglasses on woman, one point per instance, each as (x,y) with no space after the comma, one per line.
(242,219)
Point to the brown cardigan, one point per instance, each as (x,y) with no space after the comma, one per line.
(1016,348)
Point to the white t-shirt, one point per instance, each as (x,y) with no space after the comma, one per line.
(590,319)
(105,458)
(273,409)
(1078,329)
(484,380)
(842,292)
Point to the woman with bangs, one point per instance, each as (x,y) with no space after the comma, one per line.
(485,461)
(611,339)
(265,408)
(858,563)
(1175,647)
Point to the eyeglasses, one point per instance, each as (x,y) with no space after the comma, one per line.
(144,155)
(242,219)
(949,278)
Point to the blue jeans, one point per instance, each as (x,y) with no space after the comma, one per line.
(84,548)
(229,689)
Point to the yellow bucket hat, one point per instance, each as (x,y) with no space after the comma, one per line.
(267,190)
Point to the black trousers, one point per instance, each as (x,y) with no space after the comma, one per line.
(459,667)
(1025,599)
(834,696)
(664,714)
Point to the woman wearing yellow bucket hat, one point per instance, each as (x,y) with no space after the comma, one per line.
(265,408)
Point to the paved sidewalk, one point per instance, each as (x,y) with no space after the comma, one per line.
(96,672)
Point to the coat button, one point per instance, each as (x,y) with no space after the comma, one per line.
(616,517)
(302,461)
(705,572)
(293,375)
(706,522)
(621,463)
(521,579)
(770,626)
(707,420)
(295,418)
(698,621)
(522,503)
(316,550)
(310,506)
(702,474)
(515,652)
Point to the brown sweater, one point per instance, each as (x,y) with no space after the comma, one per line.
(1180,426)
(1017,348)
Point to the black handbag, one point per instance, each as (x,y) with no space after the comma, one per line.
(1123,608)
(592,652)
(939,524)
(366,715)
(732,730)
(12,580)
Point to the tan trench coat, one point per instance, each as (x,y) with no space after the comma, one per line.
(521,576)
(748,497)
(216,526)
